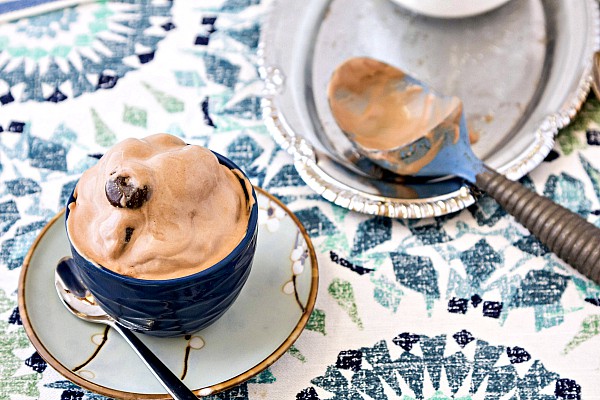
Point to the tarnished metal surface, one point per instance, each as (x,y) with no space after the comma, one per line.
(522,71)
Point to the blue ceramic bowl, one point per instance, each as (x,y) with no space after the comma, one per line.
(171,307)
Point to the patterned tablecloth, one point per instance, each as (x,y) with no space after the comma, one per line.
(466,306)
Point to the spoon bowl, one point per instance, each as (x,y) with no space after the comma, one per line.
(80,302)
(401,124)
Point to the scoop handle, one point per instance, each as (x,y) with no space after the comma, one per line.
(565,233)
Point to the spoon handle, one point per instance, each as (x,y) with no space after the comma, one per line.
(169,380)
(565,233)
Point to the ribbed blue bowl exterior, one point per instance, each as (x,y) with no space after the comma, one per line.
(172,307)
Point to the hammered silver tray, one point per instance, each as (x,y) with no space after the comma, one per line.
(522,71)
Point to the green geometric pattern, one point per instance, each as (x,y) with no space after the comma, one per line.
(431,309)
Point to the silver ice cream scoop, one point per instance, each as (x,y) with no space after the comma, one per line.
(404,126)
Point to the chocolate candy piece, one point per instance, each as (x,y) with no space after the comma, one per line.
(128,233)
(120,192)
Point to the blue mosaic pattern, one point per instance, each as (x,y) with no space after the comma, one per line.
(94,59)
(476,269)
(417,273)
(371,233)
(371,367)
(315,222)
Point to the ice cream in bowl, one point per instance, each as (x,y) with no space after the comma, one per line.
(163,234)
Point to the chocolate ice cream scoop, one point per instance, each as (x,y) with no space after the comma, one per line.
(158,208)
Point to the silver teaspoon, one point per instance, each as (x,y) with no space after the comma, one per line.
(80,302)
(406,127)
